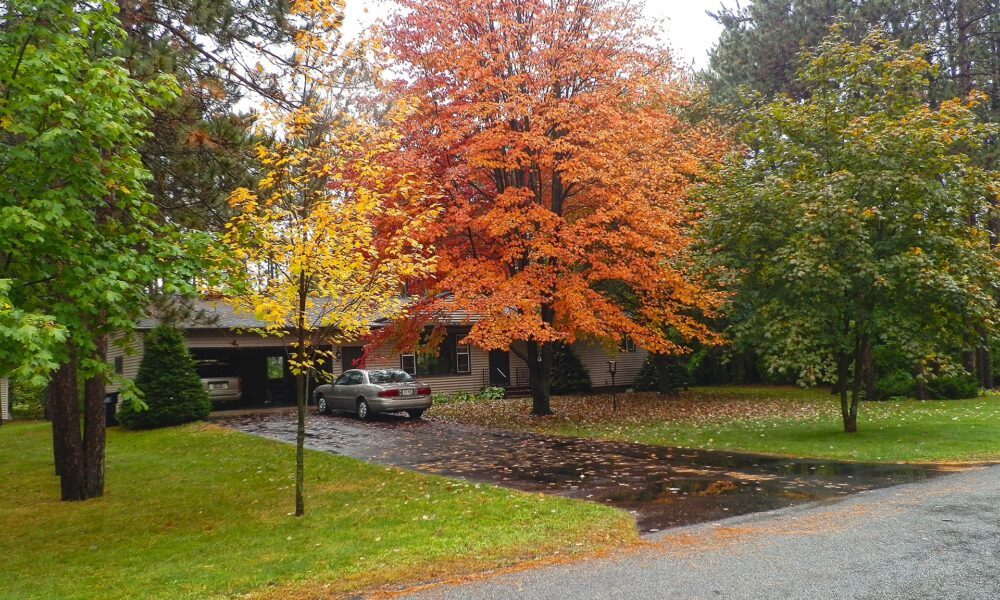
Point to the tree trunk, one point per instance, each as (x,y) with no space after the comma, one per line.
(843,370)
(851,423)
(921,383)
(983,360)
(300,440)
(540,377)
(870,393)
(300,396)
(67,442)
(94,428)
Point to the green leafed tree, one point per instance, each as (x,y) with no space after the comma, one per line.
(846,219)
(171,389)
(80,244)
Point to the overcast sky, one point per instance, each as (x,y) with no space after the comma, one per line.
(691,33)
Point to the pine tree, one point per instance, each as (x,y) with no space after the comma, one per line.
(171,388)
(569,376)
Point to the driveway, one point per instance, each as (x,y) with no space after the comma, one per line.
(662,487)
(935,539)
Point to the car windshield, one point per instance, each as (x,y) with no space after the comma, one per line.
(389,376)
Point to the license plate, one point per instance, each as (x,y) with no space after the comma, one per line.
(218,386)
(407,392)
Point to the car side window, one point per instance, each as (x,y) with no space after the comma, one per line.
(351,378)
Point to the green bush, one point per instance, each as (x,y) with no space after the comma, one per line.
(647,379)
(27,401)
(897,384)
(953,387)
(569,376)
(170,387)
(485,395)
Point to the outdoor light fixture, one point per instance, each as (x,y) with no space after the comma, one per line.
(612,369)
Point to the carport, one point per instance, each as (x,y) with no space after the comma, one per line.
(263,372)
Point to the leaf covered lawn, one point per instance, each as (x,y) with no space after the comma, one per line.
(761,419)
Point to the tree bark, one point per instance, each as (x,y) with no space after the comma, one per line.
(851,423)
(300,393)
(94,428)
(983,359)
(540,377)
(870,393)
(843,370)
(67,442)
(921,384)
(300,440)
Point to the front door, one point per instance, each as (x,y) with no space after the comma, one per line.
(350,358)
(499,368)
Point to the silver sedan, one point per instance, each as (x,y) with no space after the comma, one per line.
(368,392)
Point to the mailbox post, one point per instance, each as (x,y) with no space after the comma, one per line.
(612,369)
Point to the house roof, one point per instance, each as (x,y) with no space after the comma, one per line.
(219,314)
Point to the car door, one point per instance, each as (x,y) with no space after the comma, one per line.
(348,391)
(335,391)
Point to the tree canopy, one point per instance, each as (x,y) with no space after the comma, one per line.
(553,134)
(846,216)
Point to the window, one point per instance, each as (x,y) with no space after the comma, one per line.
(408,363)
(275,367)
(462,359)
(450,358)
(627,344)
(350,378)
(119,365)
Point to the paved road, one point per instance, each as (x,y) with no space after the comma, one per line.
(662,487)
(934,539)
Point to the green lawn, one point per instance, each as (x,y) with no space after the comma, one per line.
(202,512)
(765,419)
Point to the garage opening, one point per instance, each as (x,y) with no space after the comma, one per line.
(263,374)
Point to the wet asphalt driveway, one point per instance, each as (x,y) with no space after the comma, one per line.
(662,487)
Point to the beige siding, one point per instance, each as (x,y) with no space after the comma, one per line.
(595,357)
(130,353)
(383,358)
(5,399)
(228,339)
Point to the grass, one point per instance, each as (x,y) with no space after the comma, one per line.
(202,512)
(767,420)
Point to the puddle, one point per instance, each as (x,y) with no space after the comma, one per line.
(662,487)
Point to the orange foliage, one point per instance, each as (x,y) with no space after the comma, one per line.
(554,132)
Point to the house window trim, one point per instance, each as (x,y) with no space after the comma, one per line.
(119,365)
(627,345)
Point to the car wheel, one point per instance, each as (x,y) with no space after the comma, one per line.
(415,414)
(321,405)
(364,413)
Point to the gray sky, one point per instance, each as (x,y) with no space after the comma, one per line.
(690,32)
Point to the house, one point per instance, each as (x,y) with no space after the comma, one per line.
(219,338)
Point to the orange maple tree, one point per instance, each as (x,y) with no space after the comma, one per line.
(554,132)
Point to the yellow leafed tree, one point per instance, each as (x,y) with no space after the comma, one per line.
(325,242)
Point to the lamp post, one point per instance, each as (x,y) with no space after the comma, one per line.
(612,369)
